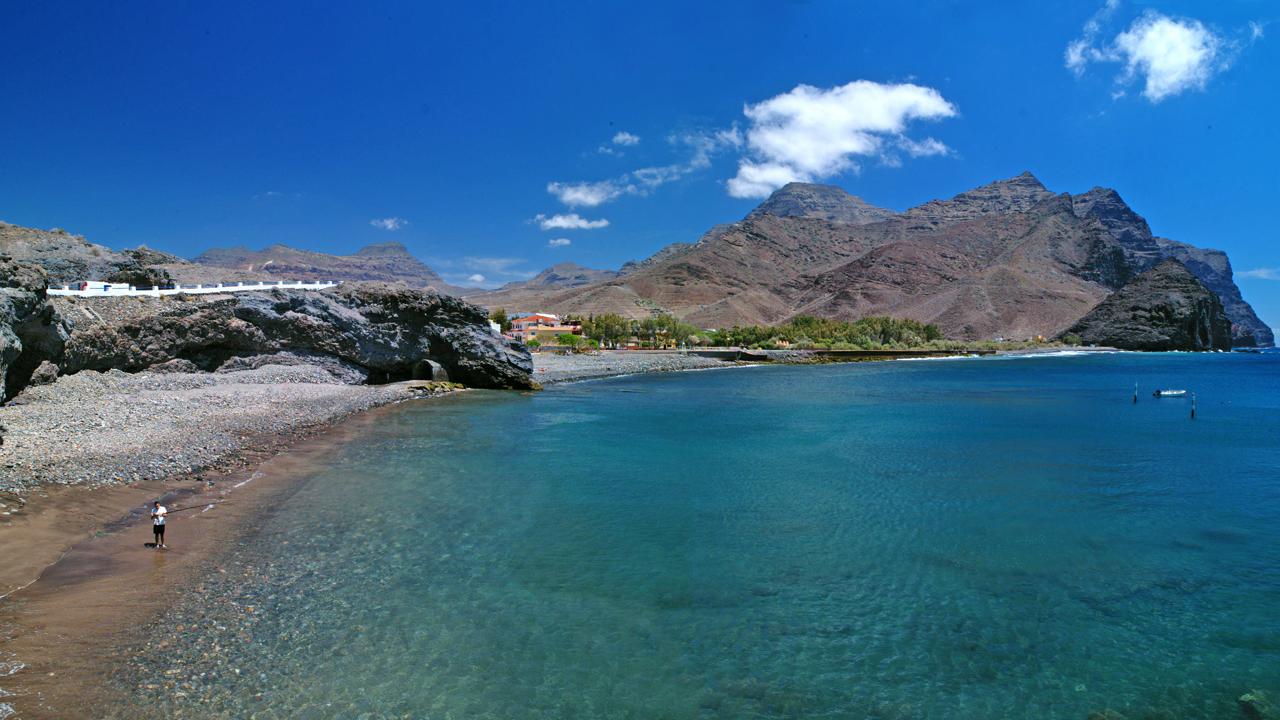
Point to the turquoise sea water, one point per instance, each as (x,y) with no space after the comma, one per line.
(973,538)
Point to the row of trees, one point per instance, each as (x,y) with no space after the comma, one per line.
(806,331)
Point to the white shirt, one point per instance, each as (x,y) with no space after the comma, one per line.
(157,515)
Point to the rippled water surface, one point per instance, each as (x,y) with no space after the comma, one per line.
(970,538)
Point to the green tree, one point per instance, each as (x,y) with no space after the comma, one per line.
(499,315)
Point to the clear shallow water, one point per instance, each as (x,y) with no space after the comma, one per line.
(959,539)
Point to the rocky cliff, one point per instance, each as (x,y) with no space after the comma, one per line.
(1140,250)
(1164,308)
(68,258)
(371,332)
(31,332)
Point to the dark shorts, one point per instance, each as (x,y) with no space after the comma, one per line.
(158,529)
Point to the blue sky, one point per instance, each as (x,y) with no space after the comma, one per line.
(189,125)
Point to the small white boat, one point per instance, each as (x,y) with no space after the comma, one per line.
(1169,393)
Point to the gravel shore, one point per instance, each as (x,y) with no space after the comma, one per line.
(114,427)
(551,368)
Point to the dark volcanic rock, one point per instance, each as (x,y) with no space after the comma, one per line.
(824,202)
(387,332)
(1164,308)
(1141,250)
(31,332)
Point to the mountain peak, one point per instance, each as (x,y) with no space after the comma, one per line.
(1114,213)
(824,202)
(1016,194)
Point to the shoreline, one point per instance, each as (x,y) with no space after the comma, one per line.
(73,557)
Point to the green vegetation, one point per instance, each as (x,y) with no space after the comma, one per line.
(1072,339)
(804,332)
(658,331)
(869,333)
(500,316)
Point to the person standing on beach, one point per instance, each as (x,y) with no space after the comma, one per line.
(158,512)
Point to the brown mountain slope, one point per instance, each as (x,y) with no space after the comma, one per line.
(1015,274)
(1009,258)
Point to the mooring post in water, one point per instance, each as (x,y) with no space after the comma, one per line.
(1193,406)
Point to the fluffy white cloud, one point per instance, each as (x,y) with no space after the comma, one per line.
(568,221)
(1169,55)
(1262,273)
(476,278)
(391,223)
(559,242)
(586,194)
(626,138)
(811,133)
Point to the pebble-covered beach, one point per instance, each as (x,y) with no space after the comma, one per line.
(115,427)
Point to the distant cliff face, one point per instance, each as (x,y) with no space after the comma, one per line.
(384,262)
(1010,258)
(1164,308)
(1141,250)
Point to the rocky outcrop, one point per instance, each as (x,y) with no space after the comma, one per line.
(1164,308)
(372,331)
(31,333)
(1139,250)
(823,202)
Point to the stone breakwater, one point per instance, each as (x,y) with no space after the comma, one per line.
(549,368)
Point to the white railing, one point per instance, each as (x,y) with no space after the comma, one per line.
(113,290)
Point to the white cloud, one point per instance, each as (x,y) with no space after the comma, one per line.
(811,133)
(1173,55)
(586,194)
(1080,51)
(476,278)
(701,146)
(1256,30)
(391,223)
(1169,55)
(1262,273)
(569,221)
(626,138)
(559,242)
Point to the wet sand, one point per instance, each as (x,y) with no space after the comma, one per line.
(100,588)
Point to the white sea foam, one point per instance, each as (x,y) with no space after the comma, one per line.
(257,474)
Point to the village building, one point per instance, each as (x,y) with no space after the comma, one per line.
(531,326)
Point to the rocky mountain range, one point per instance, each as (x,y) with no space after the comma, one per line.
(383,262)
(1007,259)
